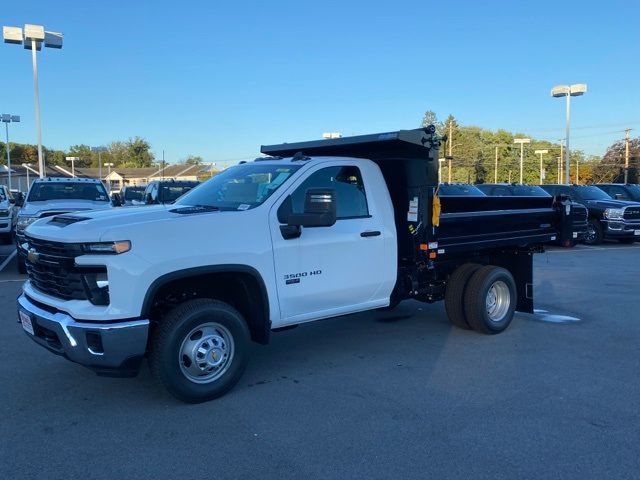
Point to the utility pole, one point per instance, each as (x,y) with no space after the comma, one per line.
(626,155)
(495,171)
(450,146)
(561,157)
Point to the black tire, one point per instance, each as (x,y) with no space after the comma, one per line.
(7,238)
(627,240)
(169,337)
(594,235)
(454,294)
(476,296)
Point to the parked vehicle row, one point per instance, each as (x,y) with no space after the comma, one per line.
(598,216)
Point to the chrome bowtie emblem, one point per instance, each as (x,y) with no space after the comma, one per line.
(33,256)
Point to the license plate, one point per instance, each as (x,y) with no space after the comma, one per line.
(25,319)
(636,232)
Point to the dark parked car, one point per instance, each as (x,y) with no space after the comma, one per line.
(608,218)
(459,190)
(510,190)
(579,211)
(620,191)
(166,191)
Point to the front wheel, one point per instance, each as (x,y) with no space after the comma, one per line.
(594,235)
(490,300)
(200,350)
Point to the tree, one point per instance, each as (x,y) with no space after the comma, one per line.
(139,152)
(83,153)
(193,160)
(611,167)
(429,118)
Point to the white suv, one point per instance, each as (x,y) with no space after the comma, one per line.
(7,214)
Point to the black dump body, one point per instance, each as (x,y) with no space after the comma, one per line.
(486,228)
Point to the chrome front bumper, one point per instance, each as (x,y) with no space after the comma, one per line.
(114,348)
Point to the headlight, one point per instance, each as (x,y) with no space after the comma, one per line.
(24,222)
(108,247)
(613,213)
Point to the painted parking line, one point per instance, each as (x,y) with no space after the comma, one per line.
(7,260)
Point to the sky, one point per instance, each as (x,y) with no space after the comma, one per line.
(220,78)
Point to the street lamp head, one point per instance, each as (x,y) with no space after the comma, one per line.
(12,35)
(560,91)
(578,89)
(34,32)
(31,33)
(53,39)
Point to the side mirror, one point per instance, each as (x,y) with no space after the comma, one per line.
(115,199)
(19,201)
(148,199)
(12,201)
(319,209)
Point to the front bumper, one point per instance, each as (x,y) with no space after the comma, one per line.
(622,229)
(113,348)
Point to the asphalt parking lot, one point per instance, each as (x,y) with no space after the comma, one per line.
(399,394)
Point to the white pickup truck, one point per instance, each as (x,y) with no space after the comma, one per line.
(271,244)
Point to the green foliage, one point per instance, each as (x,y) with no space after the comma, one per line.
(193,160)
(474,151)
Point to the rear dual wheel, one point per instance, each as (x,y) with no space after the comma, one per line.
(481,298)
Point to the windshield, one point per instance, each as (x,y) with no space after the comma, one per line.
(241,187)
(590,192)
(528,191)
(134,193)
(634,190)
(460,190)
(43,191)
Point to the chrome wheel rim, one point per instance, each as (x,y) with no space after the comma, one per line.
(206,353)
(498,301)
(591,233)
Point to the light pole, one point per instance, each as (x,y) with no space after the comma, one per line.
(99,150)
(33,37)
(109,165)
(27,167)
(541,153)
(7,119)
(568,91)
(73,164)
(521,141)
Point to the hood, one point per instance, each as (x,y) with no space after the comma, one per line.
(36,209)
(610,203)
(111,224)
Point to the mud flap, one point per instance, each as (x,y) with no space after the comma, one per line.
(520,264)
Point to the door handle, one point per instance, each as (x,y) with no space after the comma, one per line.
(370,233)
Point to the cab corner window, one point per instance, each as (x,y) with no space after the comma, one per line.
(351,200)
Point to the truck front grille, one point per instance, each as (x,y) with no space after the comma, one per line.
(631,213)
(580,214)
(52,270)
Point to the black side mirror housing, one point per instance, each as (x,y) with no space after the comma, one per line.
(12,201)
(148,199)
(319,209)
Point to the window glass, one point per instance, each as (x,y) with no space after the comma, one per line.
(242,187)
(170,193)
(620,192)
(351,200)
(43,191)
